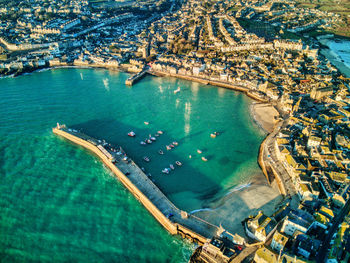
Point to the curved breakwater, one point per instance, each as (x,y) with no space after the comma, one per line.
(169,216)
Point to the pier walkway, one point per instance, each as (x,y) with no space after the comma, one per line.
(167,214)
(130,81)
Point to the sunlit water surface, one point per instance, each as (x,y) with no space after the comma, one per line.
(59,203)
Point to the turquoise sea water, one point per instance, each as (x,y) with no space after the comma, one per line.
(338,54)
(59,203)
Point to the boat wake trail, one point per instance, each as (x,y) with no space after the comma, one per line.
(200,210)
(238,188)
(106,84)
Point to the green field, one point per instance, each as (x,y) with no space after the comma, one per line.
(341,7)
(338,7)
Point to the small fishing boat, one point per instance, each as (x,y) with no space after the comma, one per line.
(168,147)
(172,167)
(142,143)
(132,134)
(165,170)
(178,163)
(153,139)
(204,159)
(177,90)
(157,135)
(199,151)
(171,145)
(176,143)
(190,156)
(214,134)
(146,159)
(159,132)
(148,141)
(160,152)
(146,122)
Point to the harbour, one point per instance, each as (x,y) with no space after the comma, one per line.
(167,214)
(113,113)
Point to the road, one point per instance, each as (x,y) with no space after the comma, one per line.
(320,257)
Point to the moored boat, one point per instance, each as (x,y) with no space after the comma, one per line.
(153,139)
(160,152)
(142,143)
(172,167)
(146,158)
(165,170)
(177,90)
(171,145)
(204,159)
(146,122)
(176,143)
(132,134)
(199,151)
(159,132)
(168,147)
(148,141)
(214,134)
(178,163)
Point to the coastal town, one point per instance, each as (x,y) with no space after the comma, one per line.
(266,49)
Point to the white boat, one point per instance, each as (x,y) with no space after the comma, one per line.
(199,151)
(160,152)
(153,139)
(177,90)
(159,132)
(204,159)
(178,163)
(145,158)
(165,171)
(168,147)
(148,141)
(176,143)
(146,122)
(172,167)
(132,134)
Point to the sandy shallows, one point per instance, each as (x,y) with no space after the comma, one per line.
(265,115)
(242,201)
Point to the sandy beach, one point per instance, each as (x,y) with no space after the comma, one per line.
(249,198)
(233,208)
(265,115)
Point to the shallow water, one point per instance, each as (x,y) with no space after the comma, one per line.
(58,202)
(338,54)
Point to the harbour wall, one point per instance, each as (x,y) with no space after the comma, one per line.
(172,227)
(161,218)
(130,81)
(261,161)
(268,170)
